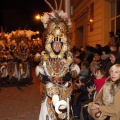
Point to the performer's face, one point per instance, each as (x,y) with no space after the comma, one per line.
(57,46)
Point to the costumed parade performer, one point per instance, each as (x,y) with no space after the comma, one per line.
(56,67)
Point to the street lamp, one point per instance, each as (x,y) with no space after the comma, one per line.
(37,17)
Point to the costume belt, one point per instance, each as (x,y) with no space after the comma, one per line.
(57,80)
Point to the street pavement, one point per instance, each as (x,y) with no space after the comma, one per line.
(21,103)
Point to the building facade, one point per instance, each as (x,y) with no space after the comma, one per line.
(93,20)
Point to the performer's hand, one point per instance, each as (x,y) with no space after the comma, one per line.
(67,77)
(45,79)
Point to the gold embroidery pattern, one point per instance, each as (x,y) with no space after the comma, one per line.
(57,68)
(11,68)
(64,93)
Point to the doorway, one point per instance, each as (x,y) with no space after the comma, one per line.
(79,37)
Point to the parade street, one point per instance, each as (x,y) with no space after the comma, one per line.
(20,103)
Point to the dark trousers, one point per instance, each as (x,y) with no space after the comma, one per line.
(87,116)
(77,107)
(108,118)
(85,113)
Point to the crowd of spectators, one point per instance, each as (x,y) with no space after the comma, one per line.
(94,63)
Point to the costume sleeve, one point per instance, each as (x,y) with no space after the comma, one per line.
(114,109)
(41,74)
(44,79)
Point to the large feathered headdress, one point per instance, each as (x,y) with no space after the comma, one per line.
(57,25)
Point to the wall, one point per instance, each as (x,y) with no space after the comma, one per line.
(101,26)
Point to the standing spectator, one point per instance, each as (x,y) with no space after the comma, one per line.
(112,39)
(89,53)
(118,37)
(114,59)
(82,54)
(105,57)
(118,48)
(77,58)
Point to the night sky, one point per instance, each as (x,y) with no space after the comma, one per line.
(20,14)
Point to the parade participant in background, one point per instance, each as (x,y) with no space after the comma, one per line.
(3,63)
(24,75)
(56,66)
(12,70)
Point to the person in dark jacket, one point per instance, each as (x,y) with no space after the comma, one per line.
(114,59)
(83,94)
(105,57)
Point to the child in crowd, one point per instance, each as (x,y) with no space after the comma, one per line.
(100,76)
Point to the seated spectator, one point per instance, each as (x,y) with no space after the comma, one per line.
(97,57)
(81,94)
(84,71)
(100,78)
(108,99)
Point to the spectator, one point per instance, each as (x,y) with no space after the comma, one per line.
(96,58)
(112,39)
(105,58)
(77,59)
(108,99)
(99,82)
(114,59)
(84,70)
(118,48)
(89,53)
(82,94)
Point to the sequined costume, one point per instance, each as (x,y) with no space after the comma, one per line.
(56,69)
(12,67)
(22,56)
(3,63)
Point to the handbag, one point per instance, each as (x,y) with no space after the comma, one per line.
(96,113)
